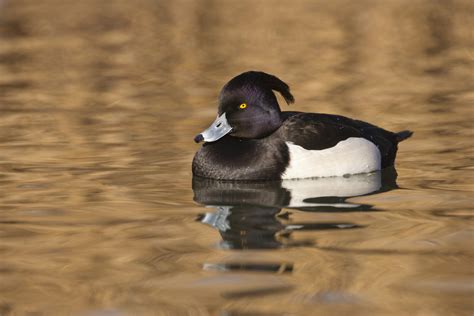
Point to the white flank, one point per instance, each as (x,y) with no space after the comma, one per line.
(351,156)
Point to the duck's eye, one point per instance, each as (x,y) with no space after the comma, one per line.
(243,105)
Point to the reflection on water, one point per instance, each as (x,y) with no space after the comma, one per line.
(100,100)
(248,215)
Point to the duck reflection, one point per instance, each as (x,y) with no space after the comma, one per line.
(249,215)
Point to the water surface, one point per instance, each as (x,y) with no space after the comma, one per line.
(100,215)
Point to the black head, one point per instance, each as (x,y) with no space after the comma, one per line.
(250,105)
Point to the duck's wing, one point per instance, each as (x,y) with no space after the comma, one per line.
(321,131)
(315,131)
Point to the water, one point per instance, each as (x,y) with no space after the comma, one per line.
(100,101)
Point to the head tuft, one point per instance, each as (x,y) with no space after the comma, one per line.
(263,80)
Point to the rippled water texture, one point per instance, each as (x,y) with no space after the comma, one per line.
(99,214)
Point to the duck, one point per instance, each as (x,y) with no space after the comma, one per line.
(252,139)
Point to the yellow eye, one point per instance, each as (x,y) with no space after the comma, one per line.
(243,105)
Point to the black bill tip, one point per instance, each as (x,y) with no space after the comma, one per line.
(199,138)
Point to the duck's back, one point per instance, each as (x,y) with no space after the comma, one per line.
(313,131)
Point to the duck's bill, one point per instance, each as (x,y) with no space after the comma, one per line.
(218,129)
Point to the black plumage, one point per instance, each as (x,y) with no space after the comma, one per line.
(256,149)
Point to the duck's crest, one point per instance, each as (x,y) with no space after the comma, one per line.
(264,80)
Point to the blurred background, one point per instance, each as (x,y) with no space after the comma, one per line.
(100,101)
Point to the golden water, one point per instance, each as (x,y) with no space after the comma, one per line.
(100,101)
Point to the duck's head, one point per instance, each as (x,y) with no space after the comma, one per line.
(248,107)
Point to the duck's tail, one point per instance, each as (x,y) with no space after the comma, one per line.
(401,136)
